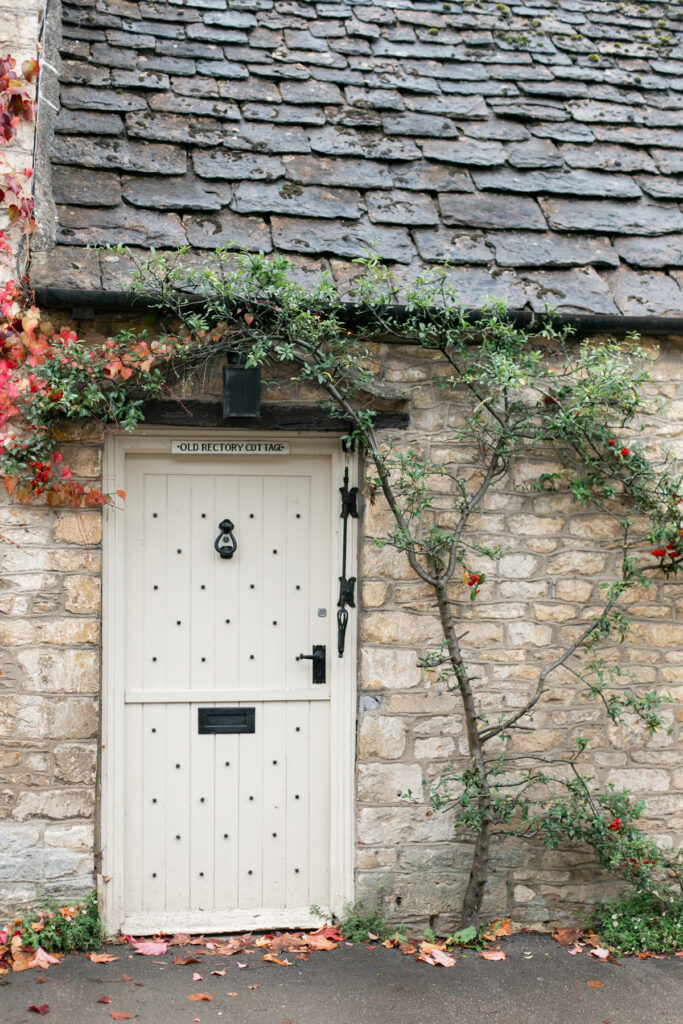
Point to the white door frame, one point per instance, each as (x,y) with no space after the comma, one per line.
(157,441)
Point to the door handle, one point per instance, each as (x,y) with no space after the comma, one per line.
(318,657)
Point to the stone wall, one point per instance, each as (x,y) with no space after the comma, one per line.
(408,727)
(49,691)
(540,594)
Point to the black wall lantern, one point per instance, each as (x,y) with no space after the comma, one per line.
(241,389)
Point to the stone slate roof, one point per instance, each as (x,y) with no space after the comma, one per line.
(538,147)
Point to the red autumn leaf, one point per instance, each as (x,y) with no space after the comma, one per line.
(442,958)
(183,961)
(122,495)
(269,958)
(595,984)
(150,948)
(100,958)
(248,319)
(43,1009)
(200,997)
(492,954)
(43,959)
(122,1015)
(104,999)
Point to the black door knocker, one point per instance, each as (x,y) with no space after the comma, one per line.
(225,543)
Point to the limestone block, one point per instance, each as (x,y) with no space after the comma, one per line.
(71,837)
(423,703)
(17,632)
(524,633)
(518,567)
(76,762)
(84,461)
(388,826)
(74,718)
(522,894)
(583,563)
(390,668)
(440,726)
(80,528)
(381,736)
(70,631)
(535,526)
(384,563)
(435,748)
(60,671)
(399,627)
(22,852)
(382,784)
(57,804)
(658,636)
(555,612)
(639,780)
(595,526)
(374,594)
(82,594)
(520,589)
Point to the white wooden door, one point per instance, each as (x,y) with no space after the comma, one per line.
(227,830)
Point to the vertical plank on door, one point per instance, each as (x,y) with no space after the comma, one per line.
(177,765)
(202,762)
(133,822)
(227,608)
(274,546)
(320,756)
(274,774)
(155,807)
(298,823)
(226,817)
(176,636)
(250,820)
(298,606)
(251,582)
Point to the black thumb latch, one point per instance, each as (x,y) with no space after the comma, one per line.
(225,543)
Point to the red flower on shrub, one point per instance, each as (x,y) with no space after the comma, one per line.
(614,827)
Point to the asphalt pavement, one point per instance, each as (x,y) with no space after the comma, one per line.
(539,982)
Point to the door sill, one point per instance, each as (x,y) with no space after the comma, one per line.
(215,922)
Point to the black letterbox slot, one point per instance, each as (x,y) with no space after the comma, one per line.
(227,720)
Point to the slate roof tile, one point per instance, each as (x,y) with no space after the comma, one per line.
(401,207)
(118,225)
(570,291)
(217,163)
(491,210)
(559,182)
(310,235)
(637,293)
(661,251)
(436,131)
(544,249)
(318,170)
(293,199)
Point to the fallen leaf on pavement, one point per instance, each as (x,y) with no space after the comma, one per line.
(100,958)
(242,967)
(269,958)
(501,926)
(577,948)
(595,984)
(374,937)
(567,936)
(444,959)
(183,961)
(253,986)
(200,997)
(197,977)
(104,999)
(122,1015)
(221,974)
(43,959)
(42,1009)
(599,954)
(233,994)
(150,948)
(492,954)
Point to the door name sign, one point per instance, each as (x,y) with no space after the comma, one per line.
(264,447)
